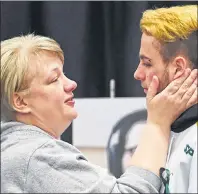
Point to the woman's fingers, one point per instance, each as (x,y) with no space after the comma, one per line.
(152,90)
(189,84)
(191,95)
(175,85)
(177,97)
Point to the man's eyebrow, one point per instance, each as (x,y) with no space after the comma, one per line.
(143,57)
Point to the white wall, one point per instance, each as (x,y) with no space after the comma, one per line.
(97,116)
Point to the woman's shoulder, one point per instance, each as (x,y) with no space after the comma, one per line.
(30,139)
(57,150)
(22,145)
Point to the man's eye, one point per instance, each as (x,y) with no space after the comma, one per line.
(147,64)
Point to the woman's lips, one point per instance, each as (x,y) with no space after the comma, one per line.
(70,103)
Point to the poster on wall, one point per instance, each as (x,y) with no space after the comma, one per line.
(112,125)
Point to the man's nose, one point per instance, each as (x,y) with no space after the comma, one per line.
(139,74)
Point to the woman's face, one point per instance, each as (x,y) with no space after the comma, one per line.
(51,96)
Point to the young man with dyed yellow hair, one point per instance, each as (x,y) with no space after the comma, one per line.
(168,47)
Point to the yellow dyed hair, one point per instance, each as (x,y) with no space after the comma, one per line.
(170,24)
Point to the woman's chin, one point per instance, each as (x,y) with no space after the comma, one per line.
(73,114)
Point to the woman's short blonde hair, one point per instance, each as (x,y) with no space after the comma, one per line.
(16,56)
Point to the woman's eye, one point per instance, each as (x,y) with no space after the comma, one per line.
(54,80)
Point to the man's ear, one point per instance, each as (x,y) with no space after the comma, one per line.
(20,104)
(179,66)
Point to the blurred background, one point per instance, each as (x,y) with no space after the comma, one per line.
(100,40)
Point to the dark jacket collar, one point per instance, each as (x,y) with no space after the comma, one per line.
(185,120)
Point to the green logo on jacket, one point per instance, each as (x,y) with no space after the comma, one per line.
(188,150)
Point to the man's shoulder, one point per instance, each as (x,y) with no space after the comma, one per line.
(190,134)
(184,143)
(183,150)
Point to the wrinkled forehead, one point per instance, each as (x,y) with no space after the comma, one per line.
(41,64)
(44,62)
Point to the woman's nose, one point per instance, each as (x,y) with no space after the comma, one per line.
(70,86)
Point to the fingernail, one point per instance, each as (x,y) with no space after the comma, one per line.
(194,73)
(195,82)
(188,70)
